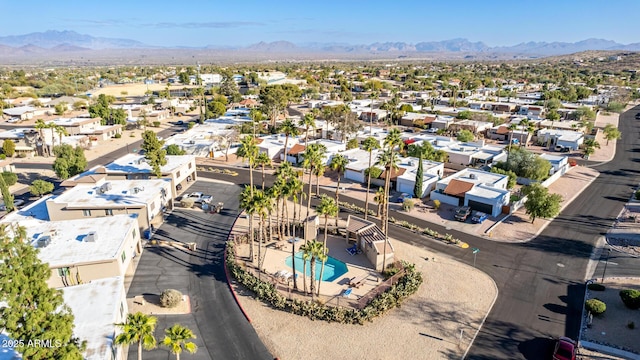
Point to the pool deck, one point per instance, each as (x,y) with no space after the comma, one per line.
(330,292)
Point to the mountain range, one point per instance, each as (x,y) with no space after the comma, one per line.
(59,42)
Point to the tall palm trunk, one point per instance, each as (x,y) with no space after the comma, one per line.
(338,197)
(326,228)
(278,218)
(313,278)
(309,195)
(286,142)
(366,201)
(263,177)
(260,246)
(140,350)
(304,274)
(293,266)
(251,239)
(387,181)
(318,182)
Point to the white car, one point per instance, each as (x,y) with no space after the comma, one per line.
(16,203)
(199,197)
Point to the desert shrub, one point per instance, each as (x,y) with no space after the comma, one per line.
(407,204)
(436,204)
(631,325)
(352,144)
(156,124)
(117,135)
(596,287)
(595,306)
(631,298)
(3,156)
(637,195)
(375,172)
(187,203)
(190,125)
(170,298)
(10,178)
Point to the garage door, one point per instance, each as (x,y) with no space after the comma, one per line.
(485,208)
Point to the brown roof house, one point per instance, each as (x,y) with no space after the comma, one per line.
(370,240)
(481,190)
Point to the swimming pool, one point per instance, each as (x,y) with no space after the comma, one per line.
(333,268)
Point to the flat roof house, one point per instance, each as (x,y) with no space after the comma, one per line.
(431,173)
(567,138)
(79,251)
(148,199)
(358,163)
(180,169)
(97,307)
(480,190)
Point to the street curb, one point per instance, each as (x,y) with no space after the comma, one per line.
(226,272)
(485,316)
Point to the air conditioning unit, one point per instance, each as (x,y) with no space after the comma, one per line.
(91,237)
(472,176)
(105,187)
(44,241)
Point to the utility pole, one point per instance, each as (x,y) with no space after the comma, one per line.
(605,264)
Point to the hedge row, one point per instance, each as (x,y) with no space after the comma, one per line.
(265,291)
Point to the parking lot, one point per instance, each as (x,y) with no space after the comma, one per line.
(220,327)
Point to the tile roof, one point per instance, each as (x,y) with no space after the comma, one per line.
(296,149)
(502,130)
(394,173)
(458,187)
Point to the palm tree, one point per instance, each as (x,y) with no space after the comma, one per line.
(379,199)
(338,163)
(248,205)
(511,127)
(369,144)
(373,95)
(524,123)
(262,160)
(314,250)
(389,159)
(62,131)
(263,205)
(312,157)
(138,329)
(327,207)
(308,121)
(176,339)
(248,150)
(289,129)
(319,165)
(40,124)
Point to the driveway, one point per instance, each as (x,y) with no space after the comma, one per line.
(222,330)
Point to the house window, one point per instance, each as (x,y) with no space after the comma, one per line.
(178,174)
(86,212)
(123,256)
(108,212)
(189,165)
(134,233)
(62,272)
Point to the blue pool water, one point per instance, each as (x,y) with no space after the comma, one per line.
(333,268)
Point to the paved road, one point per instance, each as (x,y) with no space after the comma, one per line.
(221,329)
(541,282)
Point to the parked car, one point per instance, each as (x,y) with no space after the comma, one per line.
(561,148)
(199,198)
(403,196)
(432,131)
(478,217)
(16,203)
(462,213)
(565,349)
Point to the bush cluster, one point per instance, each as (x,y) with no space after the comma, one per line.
(170,298)
(595,306)
(406,286)
(187,203)
(631,298)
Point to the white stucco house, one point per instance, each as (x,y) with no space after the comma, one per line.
(480,190)
(567,138)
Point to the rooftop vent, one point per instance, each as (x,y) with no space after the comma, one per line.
(44,241)
(91,237)
(472,176)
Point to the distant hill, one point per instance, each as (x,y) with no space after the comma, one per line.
(53,38)
(40,46)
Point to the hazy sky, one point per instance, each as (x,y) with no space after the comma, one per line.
(244,22)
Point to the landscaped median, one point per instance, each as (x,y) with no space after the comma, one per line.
(406,285)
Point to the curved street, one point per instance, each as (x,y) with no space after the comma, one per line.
(541,282)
